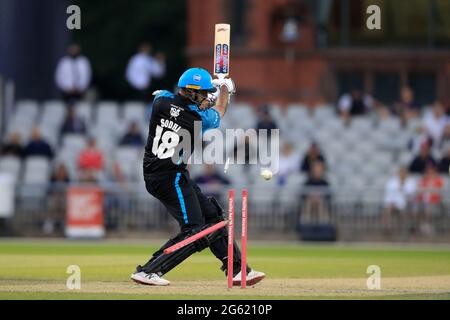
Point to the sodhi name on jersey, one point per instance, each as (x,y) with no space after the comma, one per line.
(170,125)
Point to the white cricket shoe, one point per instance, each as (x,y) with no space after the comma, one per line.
(150,279)
(253,277)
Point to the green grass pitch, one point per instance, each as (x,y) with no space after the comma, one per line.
(36,269)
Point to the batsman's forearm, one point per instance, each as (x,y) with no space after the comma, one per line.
(222,101)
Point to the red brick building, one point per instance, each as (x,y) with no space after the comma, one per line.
(269,69)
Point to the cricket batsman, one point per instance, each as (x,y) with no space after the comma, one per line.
(199,98)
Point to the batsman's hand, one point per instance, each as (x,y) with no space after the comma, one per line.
(227,82)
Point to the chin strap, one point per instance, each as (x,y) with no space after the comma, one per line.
(203,102)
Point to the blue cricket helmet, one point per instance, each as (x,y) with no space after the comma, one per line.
(197,79)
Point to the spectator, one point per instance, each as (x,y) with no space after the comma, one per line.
(13,146)
(60,175)
(445,139)
(213,180)
(211,176)
(353,104)
(399,191)
(118,199)
(73,74)
(142,67)
(288,163)
(56,200)
(265,120)
(72,123)
(245,151)
(312,155)
(422,159)
(406,108)
(317,195)
(429,198)
(90,162)
(447,108)
(117,175)
(444,164)
(420,137)
(133,137)
(435,122)
(38,146)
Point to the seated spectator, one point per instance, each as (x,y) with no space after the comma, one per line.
(72,123)
(420,137)
(117,175)
(445,139)
(13,147)
(422,159)
(312,155)
(435,122)
(429,199)
(245,151)
(133,137)
(38,146)
(60,175)
(56,200)
(406,108)
(118,200)
(447,108)
(353,104)
(90,162)
(265,120)
(398,193)
(287,163)
(213,180)
(444,164)
(317,195)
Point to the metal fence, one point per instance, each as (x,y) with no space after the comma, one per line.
(274,213)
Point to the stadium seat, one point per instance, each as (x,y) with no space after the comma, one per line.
(36,171)
(128,158)
(134,111)
(107,113)
(84,111)
(27,110)
(53,114)
(11,165)
(324,113)
(75,142)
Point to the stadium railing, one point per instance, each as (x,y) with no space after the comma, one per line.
(274,212)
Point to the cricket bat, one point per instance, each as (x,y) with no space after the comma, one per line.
(195,237)
(222,50)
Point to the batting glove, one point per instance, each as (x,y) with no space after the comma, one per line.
(229,83)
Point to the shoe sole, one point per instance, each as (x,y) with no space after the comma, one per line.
(249,282)
(149,284)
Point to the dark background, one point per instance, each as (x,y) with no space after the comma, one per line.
(33,36)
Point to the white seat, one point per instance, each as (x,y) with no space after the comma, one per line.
(391,125)
(362,125)
(84,110)
(107,113)
(134,111)
(11,165)
(27,109)
(54,113)
(324,113)
(36,170)
(298,116)
(51,135)
(128,158)
(74,142)
(295,180)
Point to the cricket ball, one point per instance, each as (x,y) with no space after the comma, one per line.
(266,174)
